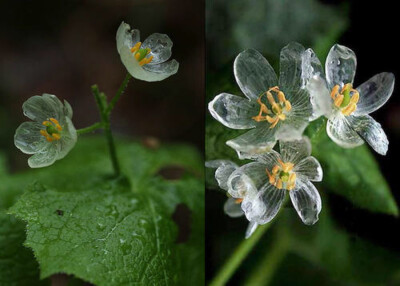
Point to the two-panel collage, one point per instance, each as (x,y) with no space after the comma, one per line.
(199,142)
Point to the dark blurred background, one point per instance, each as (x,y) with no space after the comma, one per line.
(63,47)
(370,29)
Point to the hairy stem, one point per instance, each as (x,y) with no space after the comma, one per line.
(101,101)
(90,128)
(120,91)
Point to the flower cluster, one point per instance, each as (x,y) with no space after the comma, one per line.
(279,110)
(52,134)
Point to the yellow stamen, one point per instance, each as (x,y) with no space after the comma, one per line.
(346,100)
(279,184)
(238,201)
(276,114)
(334,91)
(136,47)
(270,177)
(56,136)
(52,130)
(145,61)
(338,100)
(275,169)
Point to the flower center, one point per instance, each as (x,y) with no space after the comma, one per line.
(52,131)
(140,54)
(282,176)
(275,112)
(346,100)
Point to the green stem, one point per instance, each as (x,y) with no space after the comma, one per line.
(120,91)
(240,253)
(264,271)
(101,101)
(90,128)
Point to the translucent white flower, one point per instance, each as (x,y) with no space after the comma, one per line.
(263,184)
(274,109)
(51,134)
(148,60)
(232,206)
(347,108)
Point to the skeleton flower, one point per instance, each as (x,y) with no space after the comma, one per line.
(232,207)
(267,180)
(148,60)
(275,110)
(51,134)
(347,108)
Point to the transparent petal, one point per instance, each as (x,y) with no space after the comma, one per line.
(374,93)
(307,201)
(68,139)
(160,46)
(310,67)
(270,159)
(126,37)
(246,180)
(234,111)
(256,141)
(291,129)
(272,198)
(295,151)
(253,208)
(291,63)
(251,228)
(28,138)
(162,70)
(309,168)
(253,73)
(44,158)
(340,66)
(68,109)
(319,97)
(232,208)
(224,169)
(371,131)
(156,72)
(339,130)
(41,108)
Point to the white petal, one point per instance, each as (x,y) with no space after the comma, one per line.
(291,63)
(374,93)
(307,201)
(126,37)
(160,46)
(44,158)
(28,138)
(68,109)
(68,139)
(246,180)
(253,73)
(340,66)
(256,141)
(233,209)
(371,131)
(319,96)
(41,108)
(272,198)
(309,168)
(224,169)
(234,111)
(339,130)
(251,228)
(295,151)
(155,72)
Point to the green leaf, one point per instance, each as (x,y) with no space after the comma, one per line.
(18,267)
(144,229)
(352,173)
